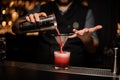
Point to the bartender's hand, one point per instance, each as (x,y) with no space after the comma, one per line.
(35,17)
(85,36)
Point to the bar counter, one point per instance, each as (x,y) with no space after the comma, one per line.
(13,70)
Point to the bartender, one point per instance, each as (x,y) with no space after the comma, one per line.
(72,17)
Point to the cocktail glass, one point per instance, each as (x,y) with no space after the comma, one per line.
(61,60)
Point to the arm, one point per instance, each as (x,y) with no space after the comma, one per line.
(92,42)
(88,35)
(85,35)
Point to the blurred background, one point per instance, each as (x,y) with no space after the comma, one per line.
(23,48)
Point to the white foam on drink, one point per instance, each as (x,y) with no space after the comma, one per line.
(64,54)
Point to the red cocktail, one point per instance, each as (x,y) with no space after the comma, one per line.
(61,60)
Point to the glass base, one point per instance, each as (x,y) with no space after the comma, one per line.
(59,67)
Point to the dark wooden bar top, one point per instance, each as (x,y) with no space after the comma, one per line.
(12,70)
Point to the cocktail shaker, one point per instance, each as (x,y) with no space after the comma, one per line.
(45,24)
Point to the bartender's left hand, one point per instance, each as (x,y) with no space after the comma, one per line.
(85,34)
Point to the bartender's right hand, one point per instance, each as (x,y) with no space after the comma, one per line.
(35,17)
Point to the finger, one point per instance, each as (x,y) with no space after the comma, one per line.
(75,30)
(42,14)
(85,30)
(32,18)
(99,27)
(72,36)
(27,18)
(82,32)
(78,32)
(36,16)
(95,28)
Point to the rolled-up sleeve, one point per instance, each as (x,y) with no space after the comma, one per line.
(90,22)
